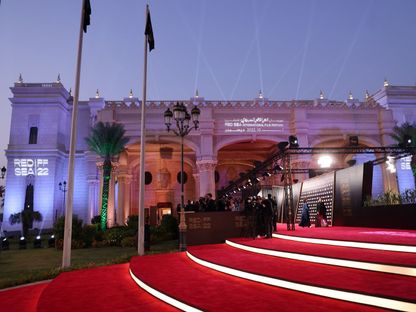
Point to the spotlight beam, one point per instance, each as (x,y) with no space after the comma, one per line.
(198,56)
(351,47)
(305,48)
(249,50)
(184,20)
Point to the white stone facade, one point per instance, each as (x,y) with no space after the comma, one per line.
(231,137)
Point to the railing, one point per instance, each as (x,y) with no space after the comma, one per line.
(243,104)
(38,85)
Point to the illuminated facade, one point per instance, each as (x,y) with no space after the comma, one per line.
(233,135)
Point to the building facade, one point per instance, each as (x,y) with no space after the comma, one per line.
(233,136)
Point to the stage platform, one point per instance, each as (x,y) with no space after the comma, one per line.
(327,269)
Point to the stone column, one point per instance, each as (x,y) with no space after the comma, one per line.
(206,170)
(123,200)
(389,178)
(93,208)
(111,202)
(197,190)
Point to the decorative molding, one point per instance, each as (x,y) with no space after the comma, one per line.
(206,165)
(313,104)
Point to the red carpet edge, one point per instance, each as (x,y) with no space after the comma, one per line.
(321,291)
(161,296)
(393,269)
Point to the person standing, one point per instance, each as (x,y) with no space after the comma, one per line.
(304,219)
(211,205)
(274,208)
(268,216)
(321,214)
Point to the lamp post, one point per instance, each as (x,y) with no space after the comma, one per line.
(3,172)
(63,189)
(182,118)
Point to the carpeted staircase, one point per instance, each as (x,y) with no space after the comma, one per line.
(287,275)
(311,269)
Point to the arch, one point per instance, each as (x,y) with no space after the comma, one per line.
(169,139)
(362,139)
(233,140)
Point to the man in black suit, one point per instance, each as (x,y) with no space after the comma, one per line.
(268,216)
(274,206)
(211,206)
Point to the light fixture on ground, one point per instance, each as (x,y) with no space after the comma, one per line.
(182,118)
(5,245)
(37,243)
(22,243)
(51,241)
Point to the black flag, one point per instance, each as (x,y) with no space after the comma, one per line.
(87,13)
(149,32)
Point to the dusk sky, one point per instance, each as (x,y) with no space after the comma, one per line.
(227,49)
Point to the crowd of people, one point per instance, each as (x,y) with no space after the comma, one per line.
(208,204)
(261,212)
(321,219)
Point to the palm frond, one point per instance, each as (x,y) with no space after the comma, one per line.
(107,140)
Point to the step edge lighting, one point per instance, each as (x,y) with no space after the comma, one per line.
(315,290)
(369,266)
(163,297)
(377,246)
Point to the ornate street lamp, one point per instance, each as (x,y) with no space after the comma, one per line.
(182,119)
(3,172)
(63,189)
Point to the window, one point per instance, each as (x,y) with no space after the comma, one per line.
(33,136)
(148,178)
(185,177)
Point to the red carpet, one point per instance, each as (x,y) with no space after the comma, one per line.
(208,290)
(369,235)
(366,282)
(111,288)
(349,253)
(108,288)
(21,299)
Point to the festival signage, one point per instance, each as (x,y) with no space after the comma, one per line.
(28,166)
(405,163)
(253,124)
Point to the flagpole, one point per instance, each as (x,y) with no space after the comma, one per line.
(66,258)
(140,241)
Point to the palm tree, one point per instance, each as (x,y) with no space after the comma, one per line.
(108,141)
(405,136)
(26,217)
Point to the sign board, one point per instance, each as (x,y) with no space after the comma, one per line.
(28,166)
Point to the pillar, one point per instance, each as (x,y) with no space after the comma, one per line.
(93,208)
(111,202)
(197,188)
(123,200)
(206,170)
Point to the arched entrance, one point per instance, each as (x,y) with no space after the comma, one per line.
(162,182)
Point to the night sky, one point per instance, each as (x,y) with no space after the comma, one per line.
(227,49)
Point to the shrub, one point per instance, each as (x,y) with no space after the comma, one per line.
(128,242)
(169,225)
(391,198)
(59,228)
(88,234)
(99,235)
(113,236)
(96,220)
(133,224)
(75,244)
